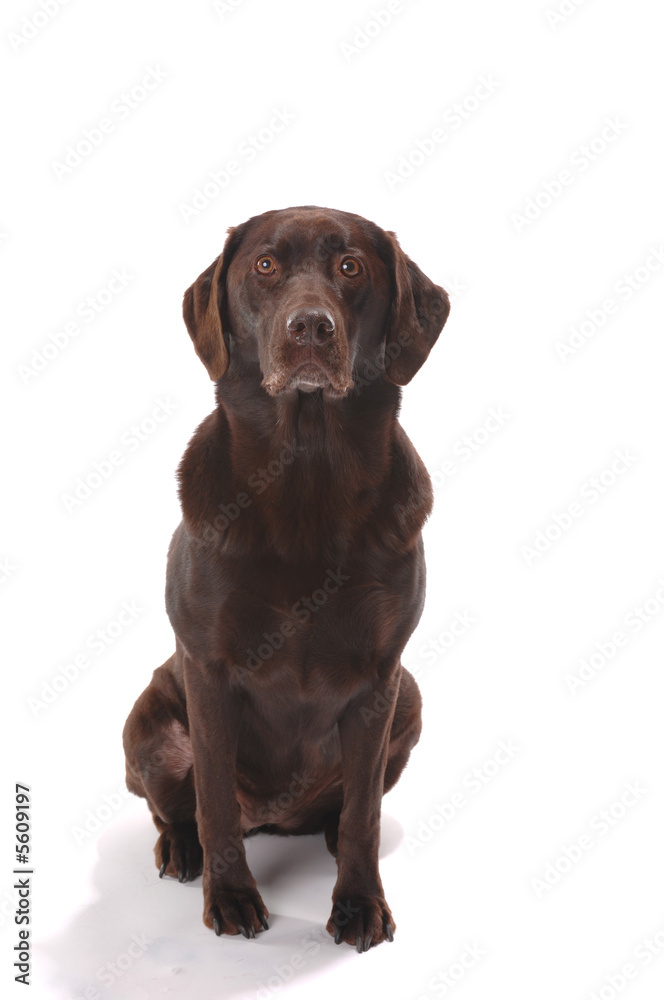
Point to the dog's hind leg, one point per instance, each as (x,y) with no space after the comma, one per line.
(406,728)
(159,765)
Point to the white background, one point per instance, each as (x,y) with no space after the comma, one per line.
(519,286)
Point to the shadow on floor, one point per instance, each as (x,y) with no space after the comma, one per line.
(143,937)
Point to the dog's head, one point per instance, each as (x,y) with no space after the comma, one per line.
(317,299)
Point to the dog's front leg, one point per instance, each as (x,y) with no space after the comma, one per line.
(360,914)
(232,903)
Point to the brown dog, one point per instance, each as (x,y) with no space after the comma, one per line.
(297,573)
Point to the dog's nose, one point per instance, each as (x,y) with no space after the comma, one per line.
(310,326)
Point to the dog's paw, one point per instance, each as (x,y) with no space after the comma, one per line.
(361,921)
(178,852)
(235,911)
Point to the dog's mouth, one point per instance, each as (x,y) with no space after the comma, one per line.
(307,377)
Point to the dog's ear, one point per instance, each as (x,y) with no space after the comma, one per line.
(202,308)
(419,311)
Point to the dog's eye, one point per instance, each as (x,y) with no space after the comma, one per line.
(265,265)
(350,267)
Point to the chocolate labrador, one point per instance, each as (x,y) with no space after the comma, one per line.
(297,573)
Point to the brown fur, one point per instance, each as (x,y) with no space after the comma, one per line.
(297,573)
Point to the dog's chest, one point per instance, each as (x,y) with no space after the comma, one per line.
(324,635)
